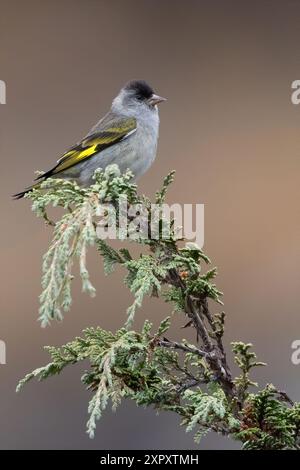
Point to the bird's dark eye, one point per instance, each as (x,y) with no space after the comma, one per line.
(139,97)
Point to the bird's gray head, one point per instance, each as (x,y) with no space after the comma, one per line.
(136,98)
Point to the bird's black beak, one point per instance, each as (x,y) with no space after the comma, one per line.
(155,99)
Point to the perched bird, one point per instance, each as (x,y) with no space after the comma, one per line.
(127,136)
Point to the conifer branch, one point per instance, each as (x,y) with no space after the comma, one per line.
(192,380)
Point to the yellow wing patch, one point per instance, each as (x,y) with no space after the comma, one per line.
(74,157)
(94,144)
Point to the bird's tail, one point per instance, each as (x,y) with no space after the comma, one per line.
(27,190)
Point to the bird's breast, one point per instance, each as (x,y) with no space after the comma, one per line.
(146,138)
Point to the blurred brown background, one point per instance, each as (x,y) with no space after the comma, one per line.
(231,132)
